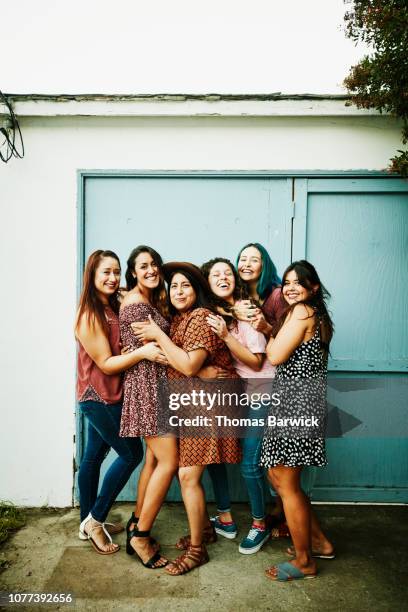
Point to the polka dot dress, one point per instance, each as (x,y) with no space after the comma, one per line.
(306,362)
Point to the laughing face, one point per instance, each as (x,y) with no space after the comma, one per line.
(146,272)
(250,264)
(222,281)
(107,278)
(293,291)
(182,294)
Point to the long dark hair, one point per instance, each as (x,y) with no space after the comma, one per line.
(240,291)
(159,294)
(269,278)
(90,303)
(203,300)
(309,279)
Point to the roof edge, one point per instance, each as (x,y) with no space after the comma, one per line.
(173,97)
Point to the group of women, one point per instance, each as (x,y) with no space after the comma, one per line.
(217,322)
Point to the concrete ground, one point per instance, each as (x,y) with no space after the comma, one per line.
(369,573)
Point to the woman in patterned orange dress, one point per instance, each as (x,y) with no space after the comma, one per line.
(191,346)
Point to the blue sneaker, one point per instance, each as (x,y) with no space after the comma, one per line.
(228,530)
(254,541)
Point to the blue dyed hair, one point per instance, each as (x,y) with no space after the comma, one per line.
(269,278)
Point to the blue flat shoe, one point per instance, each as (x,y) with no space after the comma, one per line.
(287,572)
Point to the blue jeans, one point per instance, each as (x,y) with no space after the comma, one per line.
(219,479)
(252,473)
(103,434)
(254,476)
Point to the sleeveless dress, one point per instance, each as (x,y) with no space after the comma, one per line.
(307,364)
(140,383)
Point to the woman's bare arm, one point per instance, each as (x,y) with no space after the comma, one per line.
(188,363)
(290,336)
(241,352)
(91,336)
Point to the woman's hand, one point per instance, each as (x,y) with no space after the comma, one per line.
(218,325)
(122,293)
(125,350)
(146,331)
(211,371)
(153,352)
(259,322)
(244,310)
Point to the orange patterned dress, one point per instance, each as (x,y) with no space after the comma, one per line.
(190,331)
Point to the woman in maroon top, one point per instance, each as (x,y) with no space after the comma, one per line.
(264,308)
(99,393)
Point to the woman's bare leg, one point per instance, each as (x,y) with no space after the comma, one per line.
(194,500)
(320,543)
(145,475)
(225,517)
(286,482)
(166,453)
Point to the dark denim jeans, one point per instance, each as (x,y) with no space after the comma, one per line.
(219,480)
(103,434)
(253,474)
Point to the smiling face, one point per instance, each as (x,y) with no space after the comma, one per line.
(250,264)
(107,278)
(222,281)
(182,294)
(146,272)
(293,291)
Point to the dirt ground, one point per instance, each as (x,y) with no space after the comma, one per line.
(369,572)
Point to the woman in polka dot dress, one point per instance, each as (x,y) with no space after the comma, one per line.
(300,350)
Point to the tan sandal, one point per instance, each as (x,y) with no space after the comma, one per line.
(114,528)
(111,528)
(85,535)
(209,537)
(193,557)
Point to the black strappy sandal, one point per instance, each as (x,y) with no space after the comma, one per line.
(150,564)
(135,519)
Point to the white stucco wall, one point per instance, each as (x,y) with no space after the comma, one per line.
(39,249)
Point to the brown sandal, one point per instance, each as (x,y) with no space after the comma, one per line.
(193,557)
(281,531)
(209,537)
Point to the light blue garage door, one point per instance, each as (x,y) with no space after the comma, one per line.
(353,230)
(190,219)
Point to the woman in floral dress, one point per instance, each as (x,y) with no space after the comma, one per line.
(146,297)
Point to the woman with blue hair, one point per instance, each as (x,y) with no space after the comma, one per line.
(258,272)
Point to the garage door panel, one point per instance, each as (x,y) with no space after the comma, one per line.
(359,243)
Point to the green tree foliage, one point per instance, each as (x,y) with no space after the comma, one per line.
(380,79)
